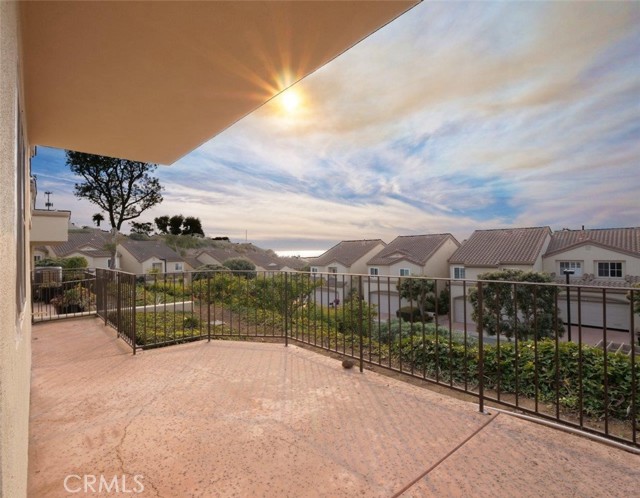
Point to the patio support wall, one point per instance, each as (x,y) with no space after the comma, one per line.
(15,316)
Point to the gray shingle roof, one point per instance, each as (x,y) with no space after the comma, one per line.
(626,240)
(346,252)
(257,256)
(142,250)
(415,248)
(93,238)
(516,246)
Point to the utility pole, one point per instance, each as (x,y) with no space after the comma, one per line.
(48,204)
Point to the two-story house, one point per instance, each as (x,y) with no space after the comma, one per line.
(493,250)
(406,255)
(346,257)
(604,260)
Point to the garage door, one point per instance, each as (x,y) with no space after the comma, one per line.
(592,314)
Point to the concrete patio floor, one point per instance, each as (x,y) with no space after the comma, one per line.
(257,419)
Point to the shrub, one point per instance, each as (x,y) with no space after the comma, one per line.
(456,363)
(409,314)
(241,267)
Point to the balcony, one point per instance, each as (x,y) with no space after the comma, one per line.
(252,398)
(230,418)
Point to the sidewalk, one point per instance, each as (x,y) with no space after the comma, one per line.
(251,419)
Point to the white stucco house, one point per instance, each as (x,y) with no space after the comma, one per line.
(405,256)
(494,250)
(603,260)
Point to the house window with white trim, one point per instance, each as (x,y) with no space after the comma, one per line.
(332,269)
(314,269)
(458,272)
(157,266)
(576,266)
(178,267)
(405,272)
(374,272)
(610,269)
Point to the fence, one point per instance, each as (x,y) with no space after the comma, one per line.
(116,303)
(58,293)
(515,352)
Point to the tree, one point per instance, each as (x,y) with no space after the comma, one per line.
(97,219)
(241,267)
(192,226)
(145,229)
(418,291)
(162,223)
(122,188)
(175,224)
(354,313)
(513,308)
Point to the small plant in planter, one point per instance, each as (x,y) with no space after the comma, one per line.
(74,300)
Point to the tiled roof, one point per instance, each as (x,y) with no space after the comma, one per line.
(625,240)
(516,246)
(415,248)
(346,252)
(265,260)
(142,250)
(97,253)
(257,256)
(93,238)
(222,254)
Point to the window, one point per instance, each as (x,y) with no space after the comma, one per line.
(458,272)
(332,269)
(157,266)
(576,266)
(37,257)
(374,272)
(405,272)
(314,269)
(178,267)
(612,269)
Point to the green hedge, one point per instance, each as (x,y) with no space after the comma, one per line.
(500,366)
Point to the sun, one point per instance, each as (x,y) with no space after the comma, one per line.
(290,100)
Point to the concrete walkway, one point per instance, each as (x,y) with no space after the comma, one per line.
(250,419)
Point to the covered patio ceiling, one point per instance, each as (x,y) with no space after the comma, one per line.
(151,81)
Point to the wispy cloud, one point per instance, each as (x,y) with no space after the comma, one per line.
(455,117)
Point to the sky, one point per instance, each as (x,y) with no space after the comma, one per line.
(457,116)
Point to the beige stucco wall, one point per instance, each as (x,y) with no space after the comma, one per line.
(438,264)
(15,327)
(49,227)
(127,262)
(360,266)
(590,255)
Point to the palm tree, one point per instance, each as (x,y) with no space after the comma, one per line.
(97,218)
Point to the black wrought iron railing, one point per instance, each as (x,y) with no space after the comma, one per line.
(57,293)
(504,343)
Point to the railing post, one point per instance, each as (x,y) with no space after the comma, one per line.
(360,318)
(132,310)
(208,301)
(286,309)
(480,350)
(118,307)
